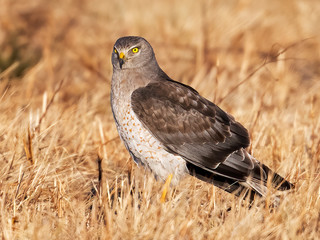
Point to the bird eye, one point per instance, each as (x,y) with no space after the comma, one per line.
(115,50)
(135,50)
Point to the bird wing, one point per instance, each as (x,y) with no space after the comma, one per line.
(187,124)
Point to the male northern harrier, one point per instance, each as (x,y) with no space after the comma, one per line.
(172,130)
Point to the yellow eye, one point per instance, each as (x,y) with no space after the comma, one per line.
(135,50)
(115,50)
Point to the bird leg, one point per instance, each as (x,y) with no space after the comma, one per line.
(165,188)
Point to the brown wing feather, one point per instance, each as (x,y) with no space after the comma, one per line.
(188,124)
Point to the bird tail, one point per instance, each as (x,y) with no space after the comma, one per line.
(258,182)
(242,174)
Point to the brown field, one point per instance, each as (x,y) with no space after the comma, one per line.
(259,60)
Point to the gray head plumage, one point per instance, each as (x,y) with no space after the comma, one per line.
(132,52)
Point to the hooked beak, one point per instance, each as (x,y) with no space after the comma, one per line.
(121,59)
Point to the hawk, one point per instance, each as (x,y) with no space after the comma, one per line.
(169,128)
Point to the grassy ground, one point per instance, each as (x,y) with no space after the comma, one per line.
(64,174)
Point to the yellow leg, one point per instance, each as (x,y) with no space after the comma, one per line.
(165,188)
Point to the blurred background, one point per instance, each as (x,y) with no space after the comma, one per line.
(259,60)
(73,39)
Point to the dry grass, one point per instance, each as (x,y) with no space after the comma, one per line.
(51,138)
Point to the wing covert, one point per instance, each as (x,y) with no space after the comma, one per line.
(188,124)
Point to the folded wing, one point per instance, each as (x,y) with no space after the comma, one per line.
(188,124)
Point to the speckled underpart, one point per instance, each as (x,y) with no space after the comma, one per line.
(144,147)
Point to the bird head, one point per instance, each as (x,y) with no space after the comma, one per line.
(131,52)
